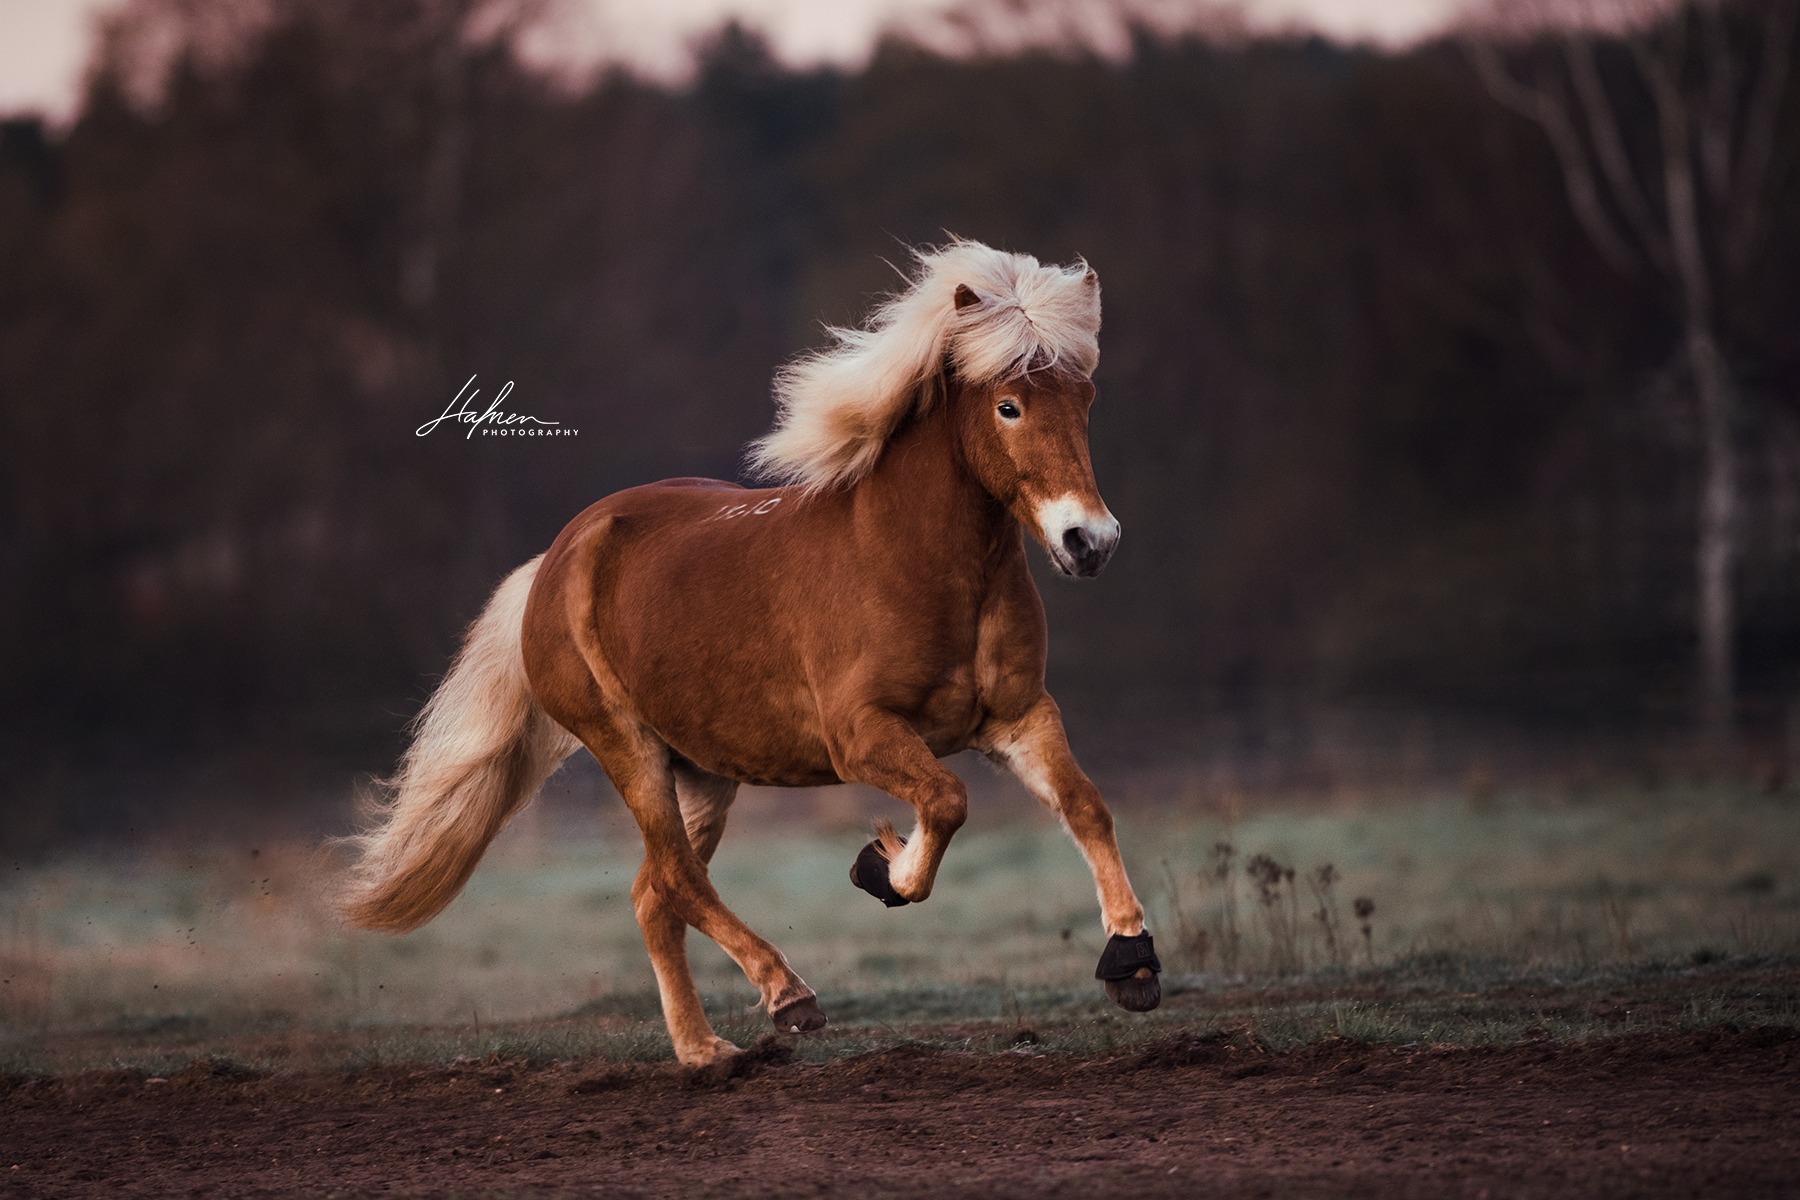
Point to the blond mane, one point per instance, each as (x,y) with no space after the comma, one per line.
(838,407)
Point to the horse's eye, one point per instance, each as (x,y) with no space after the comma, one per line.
(1009,410)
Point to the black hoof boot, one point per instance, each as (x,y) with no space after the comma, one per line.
(1129,968)
(870,873)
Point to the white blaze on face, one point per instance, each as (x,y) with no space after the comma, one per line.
(1056,517)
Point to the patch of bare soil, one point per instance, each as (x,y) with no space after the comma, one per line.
(1220,1115)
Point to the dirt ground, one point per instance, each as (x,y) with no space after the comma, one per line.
(1712,1113)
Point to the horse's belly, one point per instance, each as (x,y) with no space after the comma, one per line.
(750,732)
(775,735)
(801,762)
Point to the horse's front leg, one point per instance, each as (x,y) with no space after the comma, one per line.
(878,748)
(1035,748)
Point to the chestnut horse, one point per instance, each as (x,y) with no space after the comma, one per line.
(867,618)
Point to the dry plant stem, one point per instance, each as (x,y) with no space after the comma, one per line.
(1230,939)
(1320,882)
(1365,912)
(1293,922)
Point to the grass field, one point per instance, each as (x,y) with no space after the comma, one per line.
(1502,918)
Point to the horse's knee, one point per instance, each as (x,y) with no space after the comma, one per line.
(910,875)
(946,810)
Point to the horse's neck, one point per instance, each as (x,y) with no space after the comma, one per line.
(922,500)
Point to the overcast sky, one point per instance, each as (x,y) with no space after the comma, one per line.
(44,43)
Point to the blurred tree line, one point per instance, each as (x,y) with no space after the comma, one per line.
(1383,423)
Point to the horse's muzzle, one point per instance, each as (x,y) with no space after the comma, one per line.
(1086,549)
(1078,533)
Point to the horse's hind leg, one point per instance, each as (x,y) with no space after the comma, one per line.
(674,881)
(704,800)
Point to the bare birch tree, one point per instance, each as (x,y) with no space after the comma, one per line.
(1686,208)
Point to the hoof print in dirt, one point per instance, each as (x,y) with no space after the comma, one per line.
(801,1016)
(870,873)
(1129,968)
(605,1081)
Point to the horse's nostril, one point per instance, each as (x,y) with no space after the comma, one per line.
(1075,541)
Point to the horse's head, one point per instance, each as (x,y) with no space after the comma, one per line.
(1012,344)
(1027,442)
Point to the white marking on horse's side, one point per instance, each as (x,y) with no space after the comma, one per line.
(728,511)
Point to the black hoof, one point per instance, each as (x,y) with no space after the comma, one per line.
(1141,993)
(800,1016)
(870,873)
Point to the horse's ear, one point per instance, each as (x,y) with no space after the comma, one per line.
(1092,279)
(965,297)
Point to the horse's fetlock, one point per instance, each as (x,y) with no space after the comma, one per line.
(914,890)
(707,1051)
(1130,923)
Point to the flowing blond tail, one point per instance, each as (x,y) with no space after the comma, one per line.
(481,749)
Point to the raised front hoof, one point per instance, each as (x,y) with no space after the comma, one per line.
(870,873)
(1140,993)
(799,1016)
